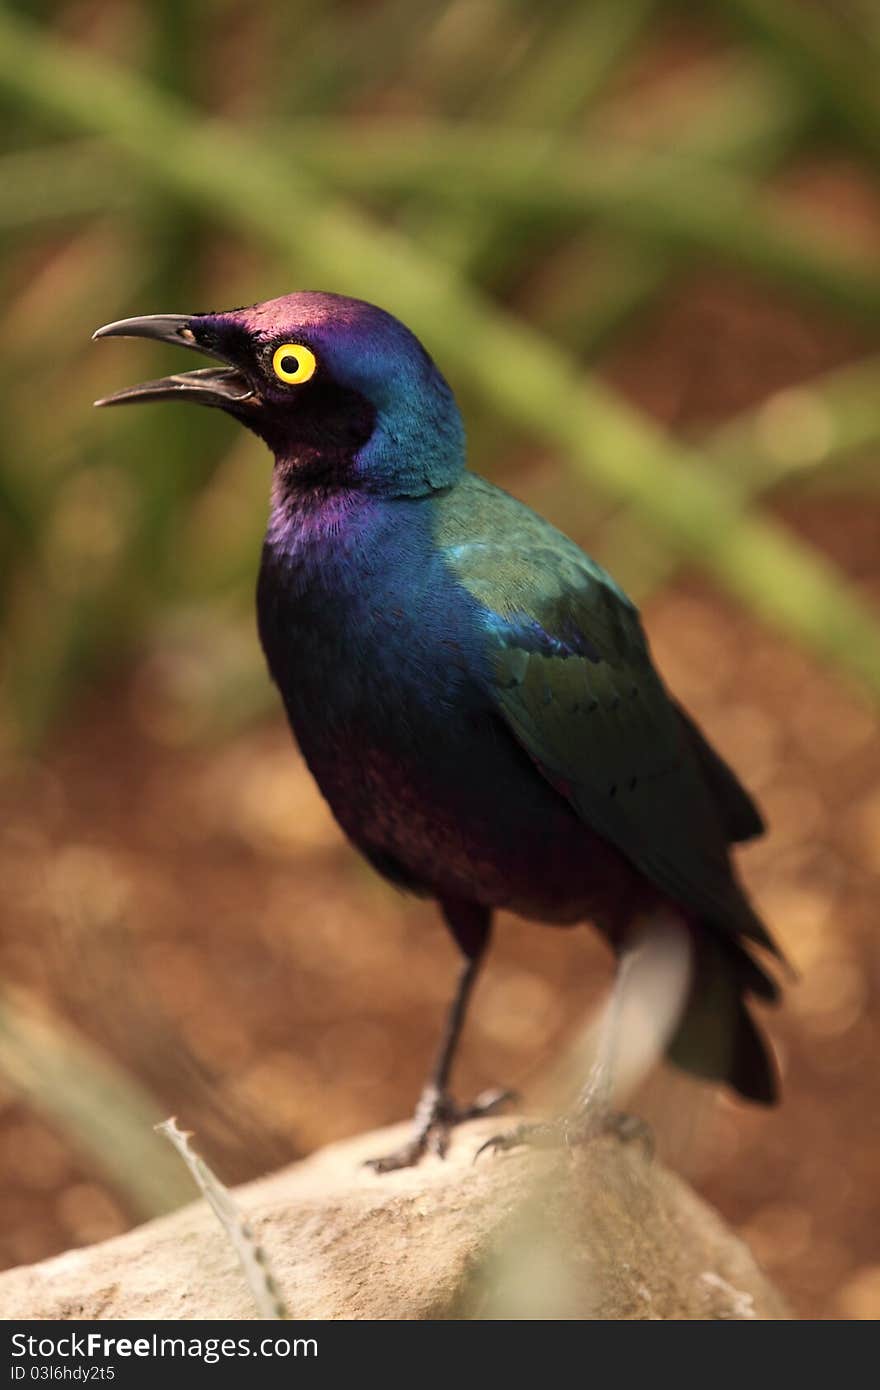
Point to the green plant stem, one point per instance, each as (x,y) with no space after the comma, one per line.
(802,431)
(572,62)
(830,69)
(798,436)
(680,205)
(55,182)
(688,206)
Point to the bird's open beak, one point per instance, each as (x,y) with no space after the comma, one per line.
(222,386)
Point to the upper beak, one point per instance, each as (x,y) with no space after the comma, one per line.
(207,386)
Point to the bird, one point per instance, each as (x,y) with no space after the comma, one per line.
(473,694)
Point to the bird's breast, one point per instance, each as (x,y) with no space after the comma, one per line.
(369,645)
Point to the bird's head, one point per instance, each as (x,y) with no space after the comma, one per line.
(338,389)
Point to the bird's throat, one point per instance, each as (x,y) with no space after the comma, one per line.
(306,515)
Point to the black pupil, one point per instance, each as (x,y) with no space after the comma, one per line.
(289,363)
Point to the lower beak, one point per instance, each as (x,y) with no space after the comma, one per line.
(221,386)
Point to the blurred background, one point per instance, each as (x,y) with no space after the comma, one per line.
(642,240)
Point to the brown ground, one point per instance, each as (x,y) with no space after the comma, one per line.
(196,913)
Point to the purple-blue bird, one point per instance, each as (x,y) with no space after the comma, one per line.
(474,696)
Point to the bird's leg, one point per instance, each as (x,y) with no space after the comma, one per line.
(661,948)
(436,1113)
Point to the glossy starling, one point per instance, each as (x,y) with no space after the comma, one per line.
(473,694)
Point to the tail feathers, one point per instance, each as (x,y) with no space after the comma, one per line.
(753,978)
(748,924)
(753,1072)
(717,1037)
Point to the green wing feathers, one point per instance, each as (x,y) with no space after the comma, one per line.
(607,735)
(572,677)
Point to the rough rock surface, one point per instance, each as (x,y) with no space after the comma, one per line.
(601,1233)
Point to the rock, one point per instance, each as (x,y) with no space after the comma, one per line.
(599,1233)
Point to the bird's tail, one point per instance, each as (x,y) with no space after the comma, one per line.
(717,1038)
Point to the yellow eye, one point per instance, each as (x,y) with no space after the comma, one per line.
(294,363)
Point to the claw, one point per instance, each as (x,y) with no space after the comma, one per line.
(436,1117)
(541,1136)
(571,1130)
(439,1142)
(401,1158)
(498,1143)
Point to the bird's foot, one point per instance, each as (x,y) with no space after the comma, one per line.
(571,1130)
(436,1116)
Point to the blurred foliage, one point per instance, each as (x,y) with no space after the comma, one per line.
(524,185)
(97,1103)
(442,159)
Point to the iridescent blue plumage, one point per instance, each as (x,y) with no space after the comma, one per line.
(475,696)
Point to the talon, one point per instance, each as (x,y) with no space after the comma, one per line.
(435,1118)
(402,1158)
(500,1143)
(439,1142)
(494,1143)
(570,1131)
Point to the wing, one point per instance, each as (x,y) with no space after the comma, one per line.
(741,818)
(570,672)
